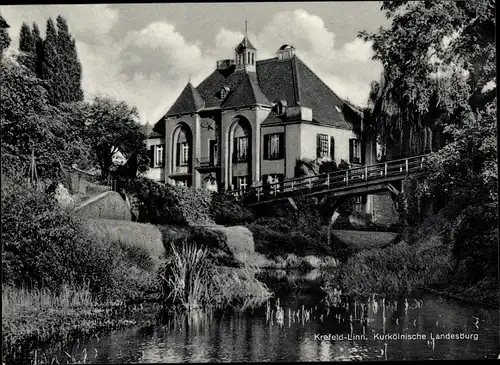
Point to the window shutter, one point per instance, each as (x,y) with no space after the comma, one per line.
(178,157)
(318,145)
(351,150)
(282,145)
(163,157)
(363,152)
(235,150)
(266,146)
(151,156)
(332,148)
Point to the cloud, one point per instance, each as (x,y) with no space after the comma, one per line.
(347,70)
(149,67)
(85,22)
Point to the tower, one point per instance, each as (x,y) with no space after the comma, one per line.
(245,54)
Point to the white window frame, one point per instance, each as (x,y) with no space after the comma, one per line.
(274,146)
(323,138)
(159,155)
(242,153)
(184,157)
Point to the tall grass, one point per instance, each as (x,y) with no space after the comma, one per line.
(31,317)
(193,281)
(15,301)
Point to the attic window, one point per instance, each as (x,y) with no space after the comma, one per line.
(281,107)
(337,108)
(223,92)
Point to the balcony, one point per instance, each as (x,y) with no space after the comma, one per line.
(207,164)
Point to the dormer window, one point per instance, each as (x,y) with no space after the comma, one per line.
(281,107)
(223,92)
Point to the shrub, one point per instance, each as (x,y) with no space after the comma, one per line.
(42,244)
(166,204)
(47,247)
(396,270)
(227,211)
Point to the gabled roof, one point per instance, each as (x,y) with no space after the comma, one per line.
(275,79)
(189,101)
(246,93)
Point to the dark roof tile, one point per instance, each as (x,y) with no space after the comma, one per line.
(246,93)
(189,101)
(287,79)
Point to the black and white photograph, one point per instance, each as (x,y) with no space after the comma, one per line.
(249,182)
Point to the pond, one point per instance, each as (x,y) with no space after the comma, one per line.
(308,332)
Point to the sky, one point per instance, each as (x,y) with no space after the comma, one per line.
(145,54)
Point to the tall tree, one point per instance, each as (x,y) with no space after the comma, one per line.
(112,127)
(52,65)
(70,77)
(37,38)
(27,47)
(29,122)
(4,35)
(439,69)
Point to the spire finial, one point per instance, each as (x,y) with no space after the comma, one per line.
(245,28)
(189,78)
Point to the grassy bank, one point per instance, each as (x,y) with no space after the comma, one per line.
(454,259)
(33,317)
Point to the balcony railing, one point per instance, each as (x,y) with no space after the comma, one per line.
(207,163)
(335,180)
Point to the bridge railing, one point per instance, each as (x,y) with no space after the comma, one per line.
(334,180)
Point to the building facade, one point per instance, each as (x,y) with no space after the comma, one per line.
(250,121)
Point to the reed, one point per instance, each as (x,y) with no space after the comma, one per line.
(192,281)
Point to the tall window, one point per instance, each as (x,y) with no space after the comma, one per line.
(274,146)
(214,152)
(355,151)
(159,155)
(183,151)
(322,144)
(241,149)
(253,59)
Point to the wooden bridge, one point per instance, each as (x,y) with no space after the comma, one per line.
(355,181)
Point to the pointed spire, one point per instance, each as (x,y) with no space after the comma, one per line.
(246,28)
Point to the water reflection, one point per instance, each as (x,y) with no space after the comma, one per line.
(356,333)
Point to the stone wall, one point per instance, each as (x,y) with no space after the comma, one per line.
(108,205)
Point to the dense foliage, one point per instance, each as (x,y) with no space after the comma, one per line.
(30,124)
(438,80)
(4,35)
(46,246)
(54,59)
(108,127)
